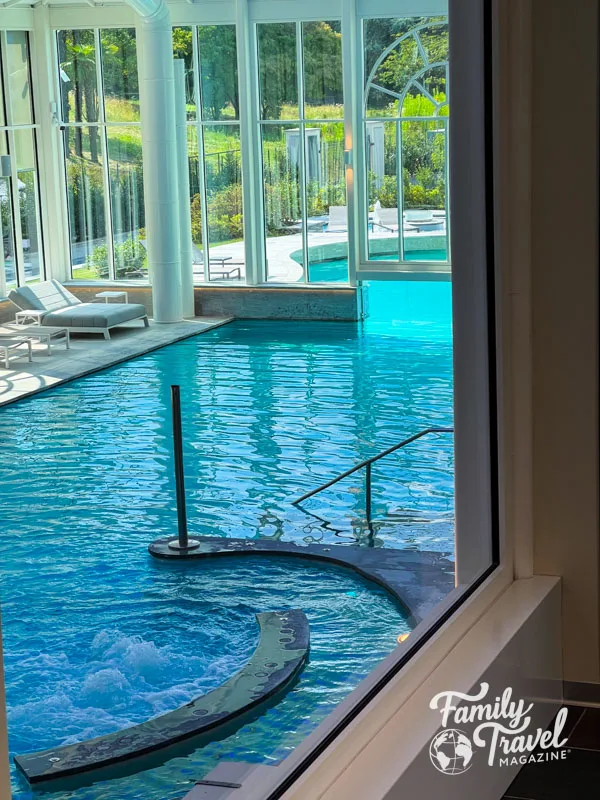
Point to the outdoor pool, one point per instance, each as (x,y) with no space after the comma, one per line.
(335,270)
(99,636)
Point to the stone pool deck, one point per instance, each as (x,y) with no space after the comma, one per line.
(90,352)
(418,580)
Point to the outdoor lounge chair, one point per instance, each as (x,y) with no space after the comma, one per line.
(338,219)
(62,309)
(385,218)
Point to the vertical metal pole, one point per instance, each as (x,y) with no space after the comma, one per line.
(179,475)
(183,542)
(368,491)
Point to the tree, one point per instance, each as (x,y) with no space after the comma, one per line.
(405,60)
(278,68)
(119,63)
(217,49)
(79,65)
(323,74)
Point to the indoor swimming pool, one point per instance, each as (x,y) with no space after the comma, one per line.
(98,636)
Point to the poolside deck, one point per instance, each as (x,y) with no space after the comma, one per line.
(284,253)
(91,352)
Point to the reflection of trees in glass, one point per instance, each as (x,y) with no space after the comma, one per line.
(119,66)
(322,53)
(79,85)
(323,75)
(77,53)
(217,51)
(277,67)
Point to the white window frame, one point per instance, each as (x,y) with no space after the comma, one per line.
(102,126)
(8,130)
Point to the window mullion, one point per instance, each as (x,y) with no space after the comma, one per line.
(201,156)
(351,65)
(301,149)
(110,245)
(16,206)
(251,146)
(400,189)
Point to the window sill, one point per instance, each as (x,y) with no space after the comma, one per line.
(389,737)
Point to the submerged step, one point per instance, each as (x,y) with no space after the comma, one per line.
(279,657)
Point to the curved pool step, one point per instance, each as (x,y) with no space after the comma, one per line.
(279,657)
(418,579)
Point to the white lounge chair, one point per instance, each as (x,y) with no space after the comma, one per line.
(338,219)
(62,309)
(385,218)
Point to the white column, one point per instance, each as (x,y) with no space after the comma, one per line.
(252,182)
(353,134)
(54,219)
(161,187)
(185,221)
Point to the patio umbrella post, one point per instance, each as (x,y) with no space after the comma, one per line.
(183,542)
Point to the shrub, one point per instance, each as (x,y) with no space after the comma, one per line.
(130,257)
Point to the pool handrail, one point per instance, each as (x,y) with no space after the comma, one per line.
(367,465)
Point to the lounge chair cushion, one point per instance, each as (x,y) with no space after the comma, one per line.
(94,315)
(44,296)
(25,299)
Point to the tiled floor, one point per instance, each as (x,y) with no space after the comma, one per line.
(575,778)
(90,352)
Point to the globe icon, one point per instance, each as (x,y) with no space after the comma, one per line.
(451,752)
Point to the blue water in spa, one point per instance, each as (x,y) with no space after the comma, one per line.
(99,636)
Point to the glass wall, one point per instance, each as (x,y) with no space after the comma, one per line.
(21,258)
(294,134)
(302,139)
(406,139)
(102,141)
(215,158)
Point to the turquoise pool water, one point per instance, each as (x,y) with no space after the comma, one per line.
(98,635)
(336,270)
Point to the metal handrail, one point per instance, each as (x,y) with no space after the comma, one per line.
(367,463)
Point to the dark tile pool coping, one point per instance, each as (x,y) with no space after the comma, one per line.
(418,580)
(279,657)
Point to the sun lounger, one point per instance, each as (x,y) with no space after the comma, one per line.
(63,310)
(385,218)
(338,219)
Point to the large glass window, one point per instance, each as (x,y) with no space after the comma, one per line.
(406,139)
(333,441)
(21,258)
(302,137)
(214,150)
(103,153)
